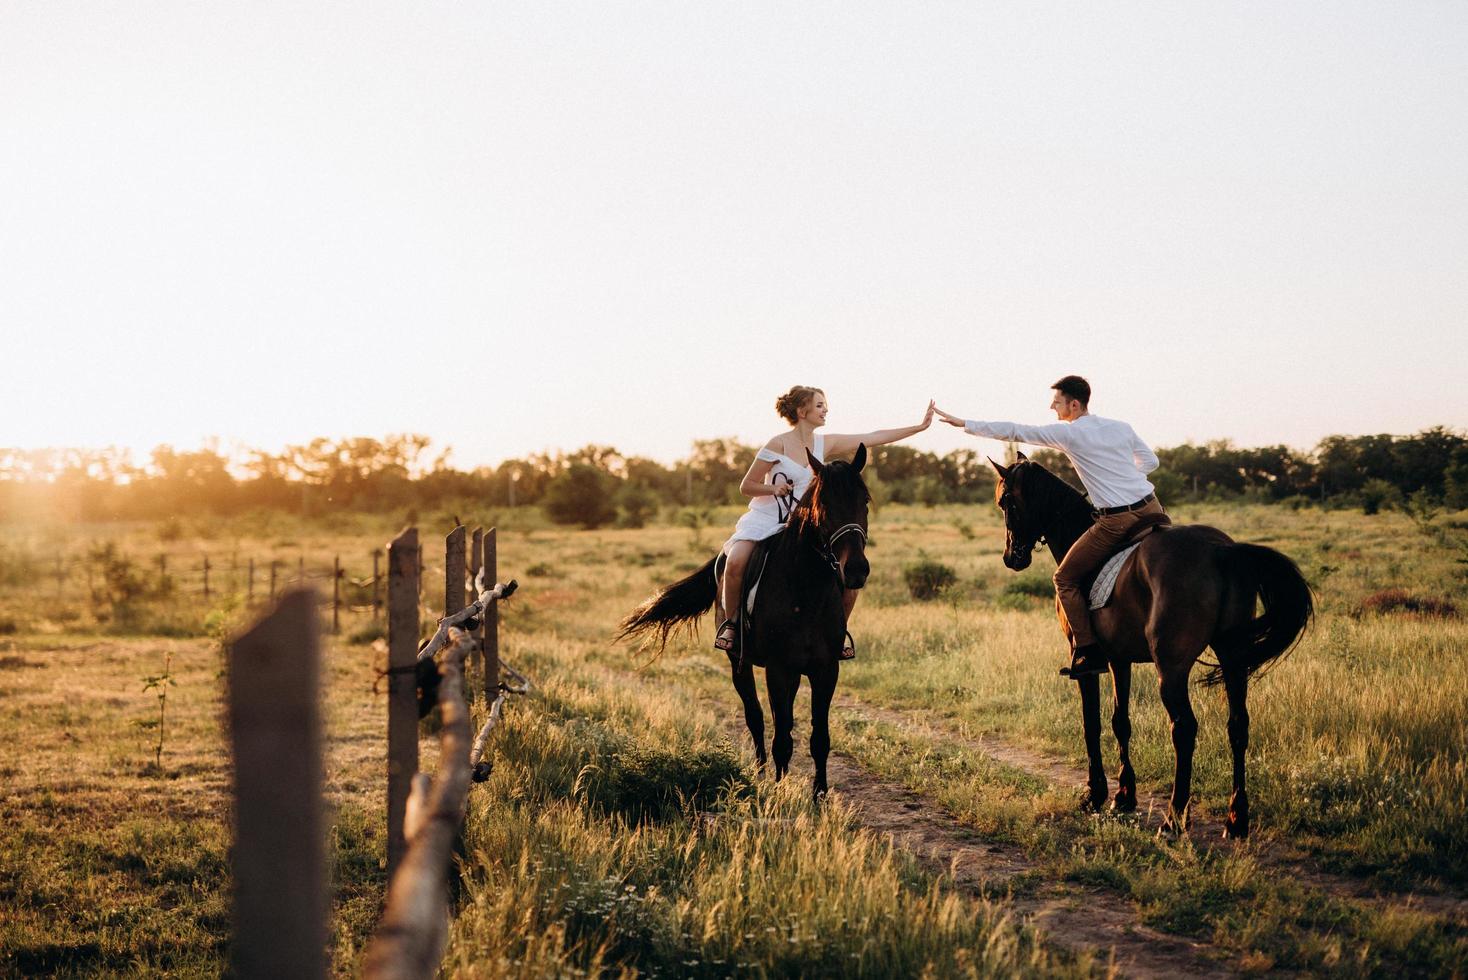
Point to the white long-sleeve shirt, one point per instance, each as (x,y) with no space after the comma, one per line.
(1107,454)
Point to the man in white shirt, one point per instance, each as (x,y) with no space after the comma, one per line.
(1112,463)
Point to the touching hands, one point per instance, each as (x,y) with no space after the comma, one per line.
(952,420)
(927,417)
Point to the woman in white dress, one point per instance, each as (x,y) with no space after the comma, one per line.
(777,479)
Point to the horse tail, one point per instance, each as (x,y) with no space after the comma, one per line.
(680,604)
(1288,605)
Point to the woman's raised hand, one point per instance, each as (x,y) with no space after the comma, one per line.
(927,416)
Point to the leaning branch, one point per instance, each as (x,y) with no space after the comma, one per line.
(410,940)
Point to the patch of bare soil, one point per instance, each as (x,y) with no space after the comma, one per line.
(1071,917)
(1152,801)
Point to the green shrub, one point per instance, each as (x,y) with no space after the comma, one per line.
(637,503)
(1038,586)
(926,579)
(368,633)
(1378,495)
(582,494)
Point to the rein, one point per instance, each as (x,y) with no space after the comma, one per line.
(784,506)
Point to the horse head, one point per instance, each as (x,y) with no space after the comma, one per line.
(837,508)
(1023,516)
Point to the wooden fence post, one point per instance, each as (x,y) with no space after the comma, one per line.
(206,576)
(273,564)
(453,571)
(476,562)
(250,582)
(402,686)
(336,595)
(376,585)
(280,905)
(491,621)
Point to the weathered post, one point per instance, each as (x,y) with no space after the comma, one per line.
(402,686)
(491,621)
(250,582)
(280,905)
(376,585)
(476,562)
(336,595)
(206,576)
(273,565)
(453,571)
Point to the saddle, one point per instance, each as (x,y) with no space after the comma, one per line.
(753,572)
(1101,586)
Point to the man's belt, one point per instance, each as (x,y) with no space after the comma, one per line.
(1107,511)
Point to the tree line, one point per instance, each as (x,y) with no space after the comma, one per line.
(598,485)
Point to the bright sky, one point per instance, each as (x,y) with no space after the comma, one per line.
(521,227)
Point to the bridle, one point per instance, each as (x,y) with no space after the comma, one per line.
(826,544)
(1024,550)
(828,548)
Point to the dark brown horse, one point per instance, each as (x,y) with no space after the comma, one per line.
(1184,589)
(798,622)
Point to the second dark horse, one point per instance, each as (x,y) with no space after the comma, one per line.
(1183,590)
(798,622)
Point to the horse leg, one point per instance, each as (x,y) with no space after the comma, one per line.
(1174,688)
(782,685)
(1236,683)
(754,717)
(822,689)
(1096,790)
(1121,727)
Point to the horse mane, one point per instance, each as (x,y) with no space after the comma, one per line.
(1064,496)
(835,477)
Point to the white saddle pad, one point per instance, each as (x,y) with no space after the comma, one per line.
(1106,578)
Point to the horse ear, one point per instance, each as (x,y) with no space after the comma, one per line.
(1001,470)
(860,459)
(1020,457)
(815,464)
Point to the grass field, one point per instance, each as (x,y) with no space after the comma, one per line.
(625,829)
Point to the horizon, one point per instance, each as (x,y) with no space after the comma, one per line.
(236,455)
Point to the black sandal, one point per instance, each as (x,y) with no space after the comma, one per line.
(728,642)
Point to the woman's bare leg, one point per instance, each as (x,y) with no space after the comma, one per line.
(739,553)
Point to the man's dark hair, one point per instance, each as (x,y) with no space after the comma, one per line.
(1074,386)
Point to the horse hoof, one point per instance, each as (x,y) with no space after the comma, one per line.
(1235,831)
(1089,804)
(1124,804)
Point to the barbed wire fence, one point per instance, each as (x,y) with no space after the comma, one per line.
(280,899)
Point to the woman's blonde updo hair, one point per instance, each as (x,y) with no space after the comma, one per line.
(790,403)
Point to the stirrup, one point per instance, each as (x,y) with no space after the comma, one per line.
(848,648)
(1086,661)
(726,643)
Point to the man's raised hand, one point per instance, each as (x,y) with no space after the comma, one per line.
(953,420)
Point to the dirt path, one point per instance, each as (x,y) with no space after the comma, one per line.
(1072,917)
(1207,828)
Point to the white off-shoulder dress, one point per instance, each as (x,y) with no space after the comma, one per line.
(765,514)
